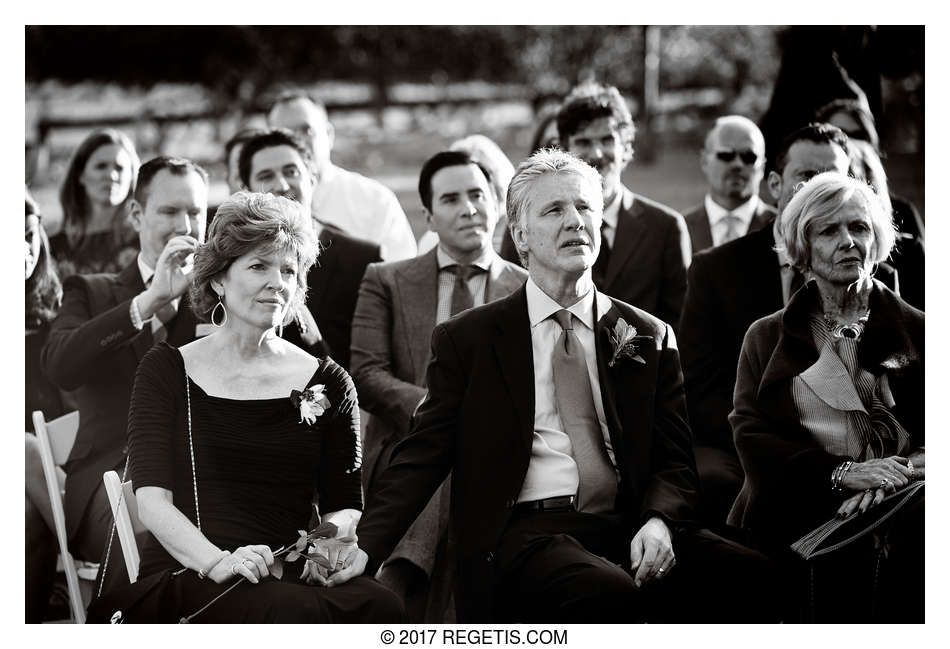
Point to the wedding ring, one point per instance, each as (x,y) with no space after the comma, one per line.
(661,570)
(910,467)
(233,568)
(884,483)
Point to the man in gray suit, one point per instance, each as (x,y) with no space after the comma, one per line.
(733,161)
(398,306)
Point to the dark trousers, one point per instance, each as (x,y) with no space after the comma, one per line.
(570,567)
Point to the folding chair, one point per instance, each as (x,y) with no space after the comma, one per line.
(125,511)
(56,440)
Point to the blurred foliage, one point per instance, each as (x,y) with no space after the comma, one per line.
(242,61)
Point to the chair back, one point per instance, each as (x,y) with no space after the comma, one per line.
(125,512)
(56,440)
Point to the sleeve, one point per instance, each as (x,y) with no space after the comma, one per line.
(709,372)
(382,393)
(399,242)
(154,416)
(80,339)
(677,251)
(781,460)
(341,456)
(673,490)
(420,462)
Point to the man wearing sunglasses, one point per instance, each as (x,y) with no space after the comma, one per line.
(733,161)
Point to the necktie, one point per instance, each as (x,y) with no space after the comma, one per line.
(597,488)
(161,319)
(733,225)
(603,257)
(461,296)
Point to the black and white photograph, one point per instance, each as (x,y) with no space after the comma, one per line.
(478,334)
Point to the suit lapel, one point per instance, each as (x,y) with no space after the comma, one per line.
(319,277)
(515,356)
(763,215)
(627,239)
(417,287)
(702,231)
(502,282)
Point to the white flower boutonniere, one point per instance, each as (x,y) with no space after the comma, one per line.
(312,402)
(623,340)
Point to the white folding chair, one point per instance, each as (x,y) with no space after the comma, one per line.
(56,440)
(125,511)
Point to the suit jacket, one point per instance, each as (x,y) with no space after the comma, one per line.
(94,350)
(477,420)
(730,287)
(649,258)
(392,327)
(332,287)
(776,451)
(700,234)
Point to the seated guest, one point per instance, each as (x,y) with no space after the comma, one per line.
(490,156)
(560,413)
(908,255)
(829,402)
(730,287)
(733,161)
(360,206)
(278,162)
(96,234)
(645,249)
(43,295)
(223,462)
(107,323)
(400,302)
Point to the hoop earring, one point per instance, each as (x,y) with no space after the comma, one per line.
(223,309)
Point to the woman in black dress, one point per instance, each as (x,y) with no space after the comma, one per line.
(224,462)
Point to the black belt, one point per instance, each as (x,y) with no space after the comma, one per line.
(556,504)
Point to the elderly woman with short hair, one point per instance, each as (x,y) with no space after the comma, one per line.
(230,434)
(829,412)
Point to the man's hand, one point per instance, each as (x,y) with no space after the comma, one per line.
(354,564)
(651,552)
(172,275)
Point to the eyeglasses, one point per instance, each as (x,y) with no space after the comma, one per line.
(747,157)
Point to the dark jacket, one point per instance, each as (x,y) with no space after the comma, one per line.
(478,421)
(787,489)
(700,234)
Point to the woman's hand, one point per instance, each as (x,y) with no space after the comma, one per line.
(353,566)
(889,473)
(248,561)
(861,502)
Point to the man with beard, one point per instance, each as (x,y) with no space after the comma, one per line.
(645,250)
(733,161)
(278,162)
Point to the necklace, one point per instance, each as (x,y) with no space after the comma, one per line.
(851,330)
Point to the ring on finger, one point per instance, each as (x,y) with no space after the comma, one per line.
(234,568)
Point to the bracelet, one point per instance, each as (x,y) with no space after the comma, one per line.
(204,573)
(838,474)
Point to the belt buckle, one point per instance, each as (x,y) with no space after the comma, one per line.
(558,502)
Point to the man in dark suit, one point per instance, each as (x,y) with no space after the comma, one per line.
(276,161)
(400,303)
(733,161)
(561,413)
(645,247)
(730,287)
(107,323)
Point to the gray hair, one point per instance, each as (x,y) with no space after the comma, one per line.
(822,196)
(544,161)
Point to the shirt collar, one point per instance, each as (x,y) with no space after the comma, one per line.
(744,212)
(145,270)
(445,259)
(541,307)
(611,211)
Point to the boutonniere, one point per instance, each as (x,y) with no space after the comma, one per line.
(623,340)
(312,402)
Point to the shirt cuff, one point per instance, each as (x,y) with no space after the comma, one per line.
(135,315)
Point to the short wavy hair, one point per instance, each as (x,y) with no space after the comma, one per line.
(590,101)
(544,161)
(822,196)
(244,222)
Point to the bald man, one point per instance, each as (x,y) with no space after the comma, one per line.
(733,161)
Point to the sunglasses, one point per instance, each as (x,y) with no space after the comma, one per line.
(747,157)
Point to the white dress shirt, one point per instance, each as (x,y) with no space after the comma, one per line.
(719,224)
(363,208)
(552,470)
